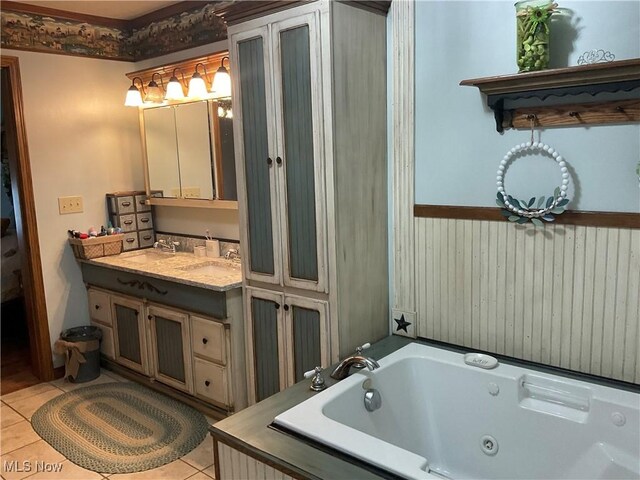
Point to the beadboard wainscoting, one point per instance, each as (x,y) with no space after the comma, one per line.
(564,295)
(234,464)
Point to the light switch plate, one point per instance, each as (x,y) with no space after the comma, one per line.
(70,205)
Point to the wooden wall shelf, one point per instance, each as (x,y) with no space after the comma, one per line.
(547,85)
(193,202)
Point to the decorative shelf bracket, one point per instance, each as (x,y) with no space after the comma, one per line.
(613,77)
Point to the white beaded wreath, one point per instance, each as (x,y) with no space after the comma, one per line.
(520,211)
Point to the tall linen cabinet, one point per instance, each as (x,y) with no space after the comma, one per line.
(309,104)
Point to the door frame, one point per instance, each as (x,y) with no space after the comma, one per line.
(33,282)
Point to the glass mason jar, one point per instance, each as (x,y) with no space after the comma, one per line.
(532,36)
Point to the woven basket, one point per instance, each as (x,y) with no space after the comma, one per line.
(95,247)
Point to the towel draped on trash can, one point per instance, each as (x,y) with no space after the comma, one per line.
(80,345)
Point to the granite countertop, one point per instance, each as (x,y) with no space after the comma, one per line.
(249,431)
(211,273)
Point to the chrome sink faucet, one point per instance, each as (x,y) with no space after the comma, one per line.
(343,370)
(232,254)
(163,245)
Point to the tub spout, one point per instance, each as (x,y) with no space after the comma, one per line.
(343,369)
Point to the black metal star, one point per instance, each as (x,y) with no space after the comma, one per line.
(402,323)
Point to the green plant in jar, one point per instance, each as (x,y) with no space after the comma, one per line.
(532,42)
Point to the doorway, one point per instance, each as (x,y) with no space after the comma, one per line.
(30,359)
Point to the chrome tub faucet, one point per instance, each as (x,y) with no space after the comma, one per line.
(358,361)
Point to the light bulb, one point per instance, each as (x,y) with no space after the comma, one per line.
(197,87)
(174,90)
(133,98)
(154,93)
(221,87)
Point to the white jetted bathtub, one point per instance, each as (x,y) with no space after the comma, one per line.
(440,417)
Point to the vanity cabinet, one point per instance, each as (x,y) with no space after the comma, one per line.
(188,338)
(309,90)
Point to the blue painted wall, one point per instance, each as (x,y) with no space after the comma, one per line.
(457,147)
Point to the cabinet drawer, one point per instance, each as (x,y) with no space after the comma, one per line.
(99,309)
(107,347)
(126,222)
(141,206)
(145,238)
(144,220)
(210,381)
(208,339)
(123,204)
(130,241)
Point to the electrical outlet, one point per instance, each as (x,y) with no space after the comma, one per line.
(69,205)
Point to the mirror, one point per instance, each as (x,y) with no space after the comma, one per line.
(189,149)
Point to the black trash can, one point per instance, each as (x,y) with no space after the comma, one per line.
(82,352)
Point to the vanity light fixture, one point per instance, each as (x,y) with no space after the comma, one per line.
(197,85)
(155,93)
(134,98)
(221,87)
(174,87)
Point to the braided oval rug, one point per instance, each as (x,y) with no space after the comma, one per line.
(119,427)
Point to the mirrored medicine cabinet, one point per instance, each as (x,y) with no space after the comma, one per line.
(188,144)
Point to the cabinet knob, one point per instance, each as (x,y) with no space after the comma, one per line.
(269,161)
(279,160)
(126,204)
(205,341)
(286,307)
(277,305)
(207,383)
(97,307)
(136,312)
(150,317)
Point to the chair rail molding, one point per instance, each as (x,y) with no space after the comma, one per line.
(403,299)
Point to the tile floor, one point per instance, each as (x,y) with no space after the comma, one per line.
(19,442)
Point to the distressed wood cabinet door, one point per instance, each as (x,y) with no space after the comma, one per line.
(300,161)
(265,343)
(256,155)
(280,156)
(307,333)
(171,347)
(130,333)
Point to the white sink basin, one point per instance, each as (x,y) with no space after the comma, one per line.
(147,257)
(209,269)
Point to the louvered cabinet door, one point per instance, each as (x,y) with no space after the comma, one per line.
(256,159)
(300,162)
(265,343)
(308,336)
(171,347)
(129,333)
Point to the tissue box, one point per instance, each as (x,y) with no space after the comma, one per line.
(94,247)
